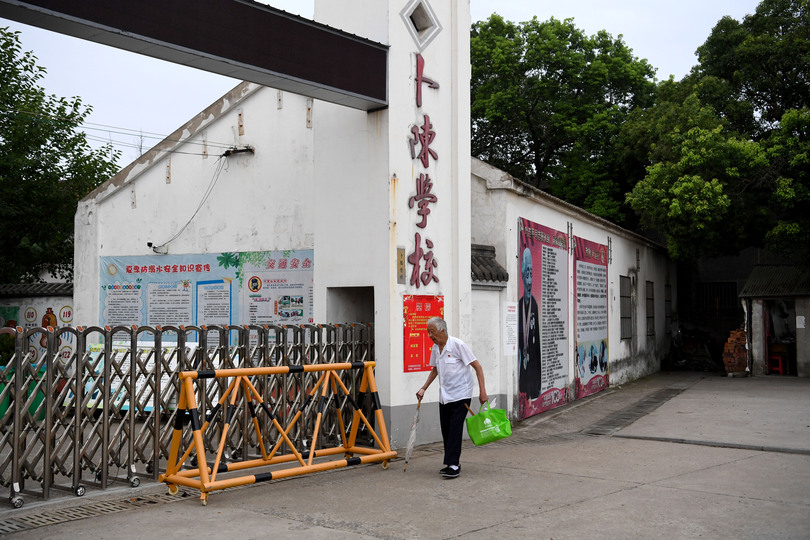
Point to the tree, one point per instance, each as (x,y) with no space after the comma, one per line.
(764,59)
(789,150)
(696,189)
(546,103)
(46,166)
(728,144)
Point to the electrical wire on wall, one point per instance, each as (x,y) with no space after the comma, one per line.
(220,165)
(221,162)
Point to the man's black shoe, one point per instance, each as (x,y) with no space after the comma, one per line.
(450,472)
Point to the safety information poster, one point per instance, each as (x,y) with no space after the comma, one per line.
(260,287)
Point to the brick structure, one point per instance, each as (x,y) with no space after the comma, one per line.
(735,355)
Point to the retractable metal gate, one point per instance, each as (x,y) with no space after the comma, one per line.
(106,412)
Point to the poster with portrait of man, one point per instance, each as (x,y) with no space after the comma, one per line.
(542,318)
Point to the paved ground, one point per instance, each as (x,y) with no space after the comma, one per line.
(675,455)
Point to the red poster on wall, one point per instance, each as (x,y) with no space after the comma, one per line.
(417,309)
(591,291)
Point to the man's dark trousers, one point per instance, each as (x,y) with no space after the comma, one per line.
(451,418)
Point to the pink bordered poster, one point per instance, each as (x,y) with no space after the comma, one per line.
(591,316)
(542,318)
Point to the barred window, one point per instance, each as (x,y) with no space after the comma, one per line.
(716,299)
(650,309)
(625,307)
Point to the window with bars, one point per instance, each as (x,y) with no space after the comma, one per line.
(625,307)
(716,299)
(650,301)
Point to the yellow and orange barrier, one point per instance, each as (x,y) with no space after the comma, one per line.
(299,462)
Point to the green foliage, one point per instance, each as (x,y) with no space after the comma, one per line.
(703,188)
(764,59)
(789,151)
(715,162)
(548,100)
(46,166)
(728,145)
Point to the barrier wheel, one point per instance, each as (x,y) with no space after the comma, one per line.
(385,464)
(204,499)
(80,491)
(149,468)
(193,461)
(17,501)
(134,481)
(173,489)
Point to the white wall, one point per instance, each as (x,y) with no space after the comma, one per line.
(259,201)
(365,176)
(339,181)
(498,201)
(486,342)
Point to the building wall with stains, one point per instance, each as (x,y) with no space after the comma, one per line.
(499,201)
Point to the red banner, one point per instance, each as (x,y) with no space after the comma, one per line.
(418,309)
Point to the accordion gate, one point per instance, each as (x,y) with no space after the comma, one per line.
(106,413)
(301,460)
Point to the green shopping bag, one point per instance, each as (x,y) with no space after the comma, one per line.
(488,425)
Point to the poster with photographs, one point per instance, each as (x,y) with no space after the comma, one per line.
(542,318)
(591,292)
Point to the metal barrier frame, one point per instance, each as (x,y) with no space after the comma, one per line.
(204,476)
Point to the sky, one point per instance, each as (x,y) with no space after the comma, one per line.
(137,101)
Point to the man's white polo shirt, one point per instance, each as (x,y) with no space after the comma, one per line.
(453,366)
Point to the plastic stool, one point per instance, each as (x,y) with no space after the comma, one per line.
(776,363)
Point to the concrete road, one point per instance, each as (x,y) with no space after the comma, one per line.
(674,455)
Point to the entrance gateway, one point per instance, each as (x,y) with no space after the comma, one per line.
(390,152)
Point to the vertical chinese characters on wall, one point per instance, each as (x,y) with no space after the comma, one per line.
(423,263)
(422,260)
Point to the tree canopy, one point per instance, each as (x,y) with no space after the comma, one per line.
(46,166)
(728,144)
(715,162)
(546,102)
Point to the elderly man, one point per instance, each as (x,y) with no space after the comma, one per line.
(451,360)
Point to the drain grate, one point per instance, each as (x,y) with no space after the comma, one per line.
(63,515)
(12,526)
(558,438)
(624,417)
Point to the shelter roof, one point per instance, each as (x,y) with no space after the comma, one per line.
(775,280)
(23,290)
(484,267)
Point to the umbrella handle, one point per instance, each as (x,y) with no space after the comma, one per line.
(469,409)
